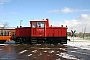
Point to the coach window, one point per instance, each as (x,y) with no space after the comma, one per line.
(34,25)
(40,24)
(4,33)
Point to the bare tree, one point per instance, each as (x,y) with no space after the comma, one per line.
(6,24)
(84,32)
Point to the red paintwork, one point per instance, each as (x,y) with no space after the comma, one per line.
(42,32)
(28,31)
(17,31)
(23,32)
(33,32)
(56,32)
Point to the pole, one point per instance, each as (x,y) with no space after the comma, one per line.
(20,22)
(84,32)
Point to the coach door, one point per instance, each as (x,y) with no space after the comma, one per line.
(33,29)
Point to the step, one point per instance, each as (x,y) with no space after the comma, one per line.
(33,42)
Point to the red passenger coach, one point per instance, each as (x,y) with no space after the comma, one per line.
(40,32)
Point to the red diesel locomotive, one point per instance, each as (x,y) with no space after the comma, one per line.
(40,32)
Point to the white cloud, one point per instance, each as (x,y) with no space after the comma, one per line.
(54,11)
(5,18)
(84,17)
(14,12)
(4,1)
(77,24)
(68,10)
(1,5)
(86,10)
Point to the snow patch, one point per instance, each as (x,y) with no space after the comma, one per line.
(67,56)
(29,54)
(58,59)
(73,51)
(51,51)
(4,44)
(57,54)
(83,44)
(34,51)
(44,51)
(22,51)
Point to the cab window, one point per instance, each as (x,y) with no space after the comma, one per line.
(40,24)
(34,25)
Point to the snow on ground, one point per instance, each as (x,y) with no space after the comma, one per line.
(3,44)
(22,51)
(80,43)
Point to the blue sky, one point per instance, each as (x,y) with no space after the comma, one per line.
(12,11)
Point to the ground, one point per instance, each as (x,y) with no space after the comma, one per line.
(77,49)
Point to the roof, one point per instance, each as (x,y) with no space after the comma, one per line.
(7,28)
(38,20)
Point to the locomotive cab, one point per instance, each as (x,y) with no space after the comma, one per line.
(38,28)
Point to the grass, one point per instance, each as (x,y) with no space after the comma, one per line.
(87,38)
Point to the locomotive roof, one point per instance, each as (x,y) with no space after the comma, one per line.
(38,20)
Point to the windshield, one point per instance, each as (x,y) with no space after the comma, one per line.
(40,24)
